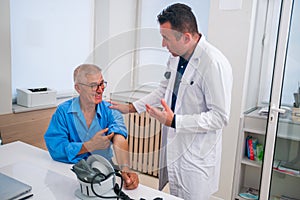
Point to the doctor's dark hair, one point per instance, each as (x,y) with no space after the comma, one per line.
(180,17)
(82,71)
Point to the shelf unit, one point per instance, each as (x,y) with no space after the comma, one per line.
(248,172)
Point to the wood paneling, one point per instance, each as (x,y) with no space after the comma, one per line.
(28,127)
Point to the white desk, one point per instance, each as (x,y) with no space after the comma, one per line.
(50,179)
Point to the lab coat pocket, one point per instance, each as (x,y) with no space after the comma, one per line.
(203,149)
(189,98)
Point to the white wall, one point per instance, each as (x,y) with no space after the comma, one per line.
(115,42)
(229,30)
(49,38)
(151,56)
(5,58)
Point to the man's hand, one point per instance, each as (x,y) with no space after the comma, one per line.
(131,180)
(123,108)
(165,116)
(99,141)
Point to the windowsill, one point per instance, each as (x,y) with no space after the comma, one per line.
(124,96)
(19,109)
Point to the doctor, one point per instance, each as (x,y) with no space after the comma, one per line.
(195,94)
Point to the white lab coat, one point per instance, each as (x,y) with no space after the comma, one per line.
(190,154)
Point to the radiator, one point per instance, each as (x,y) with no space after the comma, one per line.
(144,139)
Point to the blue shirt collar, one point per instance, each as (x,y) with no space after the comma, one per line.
(75,107)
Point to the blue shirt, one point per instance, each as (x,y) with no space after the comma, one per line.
(68,131)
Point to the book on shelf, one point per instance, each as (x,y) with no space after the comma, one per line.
(254,150)
(283,197)
(250,193)
(290,167)
(251,147)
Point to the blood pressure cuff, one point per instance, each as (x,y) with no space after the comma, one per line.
(85,173)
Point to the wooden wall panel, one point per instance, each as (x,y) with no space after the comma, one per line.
(28,127)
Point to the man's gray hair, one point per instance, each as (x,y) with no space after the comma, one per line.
(83,70)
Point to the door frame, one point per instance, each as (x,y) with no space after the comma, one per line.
(275,98)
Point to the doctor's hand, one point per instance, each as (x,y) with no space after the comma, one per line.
(165,116)
(123,108)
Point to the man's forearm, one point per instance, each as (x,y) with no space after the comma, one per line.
(121,153)
(122,156)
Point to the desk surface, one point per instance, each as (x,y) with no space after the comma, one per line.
(50,179)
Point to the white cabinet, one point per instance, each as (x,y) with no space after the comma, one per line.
(285,182)
(277,175)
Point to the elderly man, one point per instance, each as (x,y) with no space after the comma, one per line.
(86,125)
